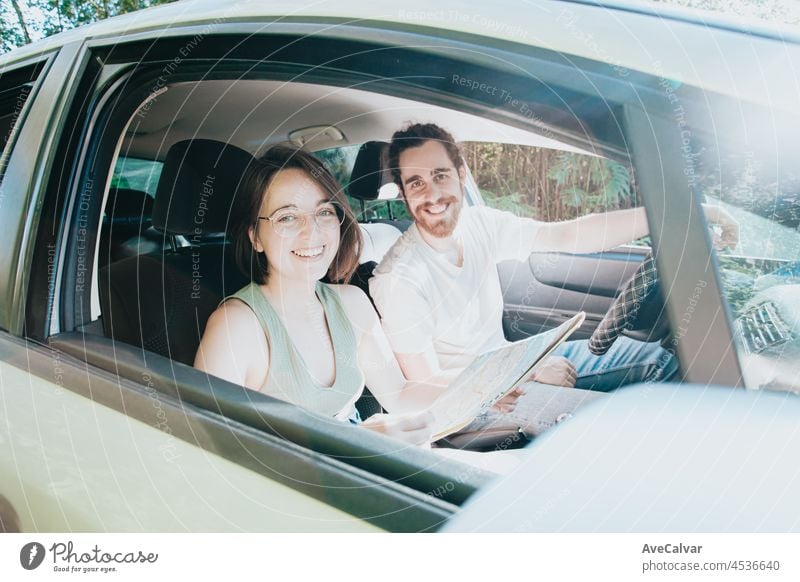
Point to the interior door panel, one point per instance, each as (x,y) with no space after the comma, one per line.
(551,287)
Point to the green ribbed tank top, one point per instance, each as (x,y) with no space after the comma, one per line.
(288,377)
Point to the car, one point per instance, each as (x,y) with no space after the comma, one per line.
(124,140)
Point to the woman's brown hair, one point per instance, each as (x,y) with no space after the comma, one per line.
(250,196)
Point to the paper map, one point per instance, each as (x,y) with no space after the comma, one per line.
(492,375)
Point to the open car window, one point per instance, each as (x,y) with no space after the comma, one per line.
(156,220)
(549,185)
(17,84)
(137,174)
(388,206)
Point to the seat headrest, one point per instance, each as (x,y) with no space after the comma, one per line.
(197,187)
(369,172)
(129,207)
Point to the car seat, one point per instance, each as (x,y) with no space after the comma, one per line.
(161,302)
(367,178)
(370,173)
(127,229)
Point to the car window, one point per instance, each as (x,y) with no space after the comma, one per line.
(760,277)
(16,87)
(137,174)
(158,303)
(340,162)
(547,184)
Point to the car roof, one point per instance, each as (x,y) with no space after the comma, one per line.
(268,112)
(650,38)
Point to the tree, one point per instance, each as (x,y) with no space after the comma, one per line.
(548,184)
(54,16)
(589,184)
(779,11)
(21,21)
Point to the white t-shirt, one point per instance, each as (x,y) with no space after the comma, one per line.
(425,301)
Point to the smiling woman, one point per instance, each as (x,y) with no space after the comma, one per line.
(287,334)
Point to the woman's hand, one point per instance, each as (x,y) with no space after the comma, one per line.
(556,371)
(415,429)
(725,226)
(508,402)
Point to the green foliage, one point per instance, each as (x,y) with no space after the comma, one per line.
(513,202)
(573,197)
(37,19)
(591,184)
(137,174)
(548,184)
(738,279)
(339,162)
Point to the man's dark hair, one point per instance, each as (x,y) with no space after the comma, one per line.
(416,135)
(246,206)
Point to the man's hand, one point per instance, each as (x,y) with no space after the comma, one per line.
(508,402)
(725,227)
(556,371)
(415,429)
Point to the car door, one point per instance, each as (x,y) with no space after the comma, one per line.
(552,287)
(104,436)
(552,185)
(82,449)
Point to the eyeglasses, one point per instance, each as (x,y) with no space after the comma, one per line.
(290,222)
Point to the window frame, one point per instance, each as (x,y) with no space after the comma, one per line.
(409,473)
(27,168)
(39,66)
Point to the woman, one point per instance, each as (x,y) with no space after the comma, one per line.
(289,335)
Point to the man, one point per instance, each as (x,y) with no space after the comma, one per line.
(439,295)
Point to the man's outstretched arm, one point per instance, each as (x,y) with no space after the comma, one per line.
(600,232)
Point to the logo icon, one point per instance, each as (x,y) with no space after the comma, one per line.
(31,555)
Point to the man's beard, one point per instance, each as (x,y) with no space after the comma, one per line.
(439,226)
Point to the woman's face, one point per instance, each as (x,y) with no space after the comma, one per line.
(297,246)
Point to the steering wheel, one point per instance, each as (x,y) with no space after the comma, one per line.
(642,289)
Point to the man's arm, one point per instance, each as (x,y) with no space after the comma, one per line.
(600,232)
(592,233)
(408,325)
(394,390)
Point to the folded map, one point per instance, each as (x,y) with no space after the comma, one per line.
(494,374)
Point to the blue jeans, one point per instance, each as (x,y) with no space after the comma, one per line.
(542,406)
(627,362)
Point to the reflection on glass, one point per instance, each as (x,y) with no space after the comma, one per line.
(761,277)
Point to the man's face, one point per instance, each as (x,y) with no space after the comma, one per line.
(433,188)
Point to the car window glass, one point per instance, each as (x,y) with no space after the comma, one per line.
(15,88)
(761,276)
(340,162)
(547,184)
(137,174)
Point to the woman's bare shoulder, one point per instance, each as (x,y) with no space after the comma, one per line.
(234,346)
(234,316)
(233,325)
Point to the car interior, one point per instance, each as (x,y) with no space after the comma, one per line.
(153,254)
(162,155)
